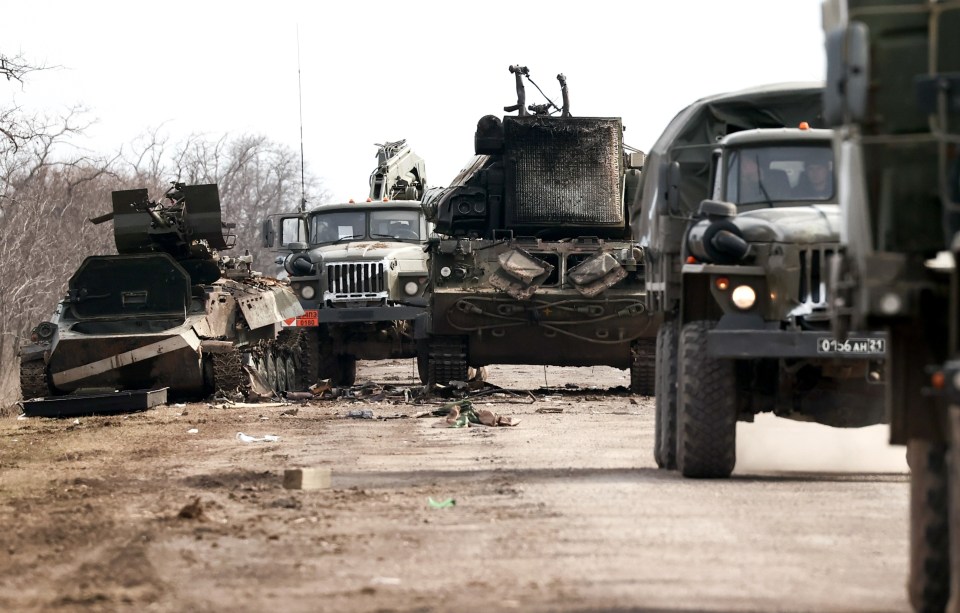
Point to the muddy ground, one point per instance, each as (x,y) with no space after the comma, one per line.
(564,512)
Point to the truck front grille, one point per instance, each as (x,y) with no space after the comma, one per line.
(355,281)
(814,264)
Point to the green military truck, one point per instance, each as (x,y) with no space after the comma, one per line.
(893,95)
(535,263)
(740,221)
(359,270)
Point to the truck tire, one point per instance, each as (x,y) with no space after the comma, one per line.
(33,380)
(665,417)
(303,347)
(348,370)
(929,578)
(706,407)
(446,360)
(423,360)
(643,366)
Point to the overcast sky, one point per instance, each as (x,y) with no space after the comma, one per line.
(375,70)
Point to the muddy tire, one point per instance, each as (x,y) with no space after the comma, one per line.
(33,380)
(348,370)
(423,362)
(665,417)
(706,407)
(928,584)
(446,360)
(643,366)
(228,374)
(303,349)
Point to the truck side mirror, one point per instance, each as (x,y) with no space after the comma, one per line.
(848,75)
(670,177)
(268,233)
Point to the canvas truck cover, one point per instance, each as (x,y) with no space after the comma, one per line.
(690,139)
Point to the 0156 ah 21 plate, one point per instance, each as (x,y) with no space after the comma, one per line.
(859,346)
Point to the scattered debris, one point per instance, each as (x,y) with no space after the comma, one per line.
(267,438)
(290,412)
(73,405)
(549,410)
(317,478)
(360,414)
(462,414)
(194,510)
(299,396)
(443,504)
(193,431)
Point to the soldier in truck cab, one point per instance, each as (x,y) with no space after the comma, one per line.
(816,183)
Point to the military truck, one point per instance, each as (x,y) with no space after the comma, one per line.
(740,219)
(359,270)
(535,264)
(893,94)
(168,310)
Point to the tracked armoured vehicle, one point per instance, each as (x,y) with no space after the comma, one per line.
(535,264)
(893,96)
(168,310)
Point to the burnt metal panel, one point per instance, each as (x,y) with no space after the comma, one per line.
(563,171)
(128,285)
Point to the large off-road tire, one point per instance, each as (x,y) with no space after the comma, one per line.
(33,380)
(706,407)
(423,362)
(643,371)
(348,370)
(928,584)
(303,347)
(228,374)
(665,417)
(446,360)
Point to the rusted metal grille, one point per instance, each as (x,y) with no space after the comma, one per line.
(565,170)
(813,276)
(355,278)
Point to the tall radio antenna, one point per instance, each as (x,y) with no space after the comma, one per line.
(303,187)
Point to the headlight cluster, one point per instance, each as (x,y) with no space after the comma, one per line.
(412,286)
(743,296)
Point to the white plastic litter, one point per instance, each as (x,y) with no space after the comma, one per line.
(193,431)
(266,438)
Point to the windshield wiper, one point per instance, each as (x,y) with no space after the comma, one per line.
(765,193)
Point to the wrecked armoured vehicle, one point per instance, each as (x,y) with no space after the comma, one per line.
(893,96)
(167,311)
(536,264)
(741,219)
(359,269)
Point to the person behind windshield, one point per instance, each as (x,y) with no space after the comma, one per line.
(816,183)
(759,186)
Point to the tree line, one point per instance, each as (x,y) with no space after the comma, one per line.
(49,190)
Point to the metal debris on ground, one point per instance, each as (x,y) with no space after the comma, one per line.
(360,414)
(71,405)
(549,410)
(462,414)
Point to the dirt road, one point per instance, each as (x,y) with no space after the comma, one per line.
(563,512)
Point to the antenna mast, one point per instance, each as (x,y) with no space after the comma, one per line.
(303,188)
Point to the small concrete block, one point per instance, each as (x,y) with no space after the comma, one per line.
(306,478)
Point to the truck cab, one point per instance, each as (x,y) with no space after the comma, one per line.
(753,333)
(359,269)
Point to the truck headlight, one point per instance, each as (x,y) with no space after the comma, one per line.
(743,297)
(411,288)
(308,292)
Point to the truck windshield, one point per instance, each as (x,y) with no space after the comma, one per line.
(334,226)
(780,175)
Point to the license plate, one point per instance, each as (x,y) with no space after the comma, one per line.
(309,318)
(856,346)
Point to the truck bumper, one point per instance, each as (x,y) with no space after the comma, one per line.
(386,313)
(746,344)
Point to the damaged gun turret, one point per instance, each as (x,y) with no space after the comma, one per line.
(167,311)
